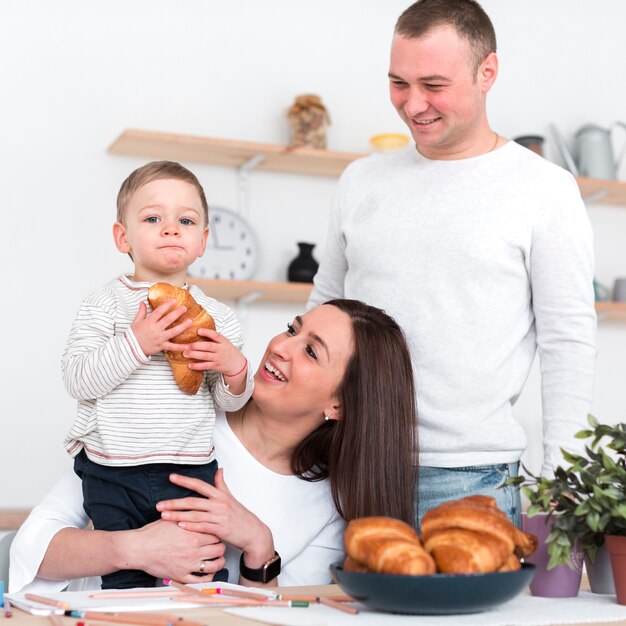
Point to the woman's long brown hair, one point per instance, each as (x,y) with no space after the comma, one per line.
(370,454)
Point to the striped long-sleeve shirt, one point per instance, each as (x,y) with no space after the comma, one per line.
(130,409)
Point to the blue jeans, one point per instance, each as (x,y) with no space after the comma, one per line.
(440,484)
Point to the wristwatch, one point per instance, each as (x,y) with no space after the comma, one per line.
(268,571)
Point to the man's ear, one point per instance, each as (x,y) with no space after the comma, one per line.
(488,72)
(119,236)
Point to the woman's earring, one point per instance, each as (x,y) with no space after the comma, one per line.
(327,416)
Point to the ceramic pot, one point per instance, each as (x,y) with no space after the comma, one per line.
(561,581)
(616,545)
(599,571)
(304,267)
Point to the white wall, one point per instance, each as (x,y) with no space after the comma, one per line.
(75,73)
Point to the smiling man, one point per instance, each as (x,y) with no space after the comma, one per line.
(480,249)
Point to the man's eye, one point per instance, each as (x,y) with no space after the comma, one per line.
(152,219)
(185,221)
(290,329)
(311,352)
(433,86)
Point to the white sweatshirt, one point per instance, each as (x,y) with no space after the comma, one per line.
(482,261)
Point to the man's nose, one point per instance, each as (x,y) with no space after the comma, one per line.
(416,102)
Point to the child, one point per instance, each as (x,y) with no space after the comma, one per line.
(134,425)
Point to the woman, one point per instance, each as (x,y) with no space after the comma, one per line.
(327,436)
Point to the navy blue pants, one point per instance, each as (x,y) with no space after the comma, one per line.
(123,498)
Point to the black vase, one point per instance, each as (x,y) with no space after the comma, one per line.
(304,266)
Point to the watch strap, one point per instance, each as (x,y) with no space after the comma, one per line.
(268,571)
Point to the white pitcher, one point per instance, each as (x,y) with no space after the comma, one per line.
(593,155)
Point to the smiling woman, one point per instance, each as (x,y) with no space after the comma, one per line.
(329,435)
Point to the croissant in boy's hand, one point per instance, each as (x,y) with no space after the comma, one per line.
(188,380)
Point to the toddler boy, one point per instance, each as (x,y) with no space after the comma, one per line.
(134,425)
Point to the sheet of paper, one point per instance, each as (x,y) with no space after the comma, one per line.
(151,599)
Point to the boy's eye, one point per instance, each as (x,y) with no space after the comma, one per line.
(152,219)
(290,329)
(185,221)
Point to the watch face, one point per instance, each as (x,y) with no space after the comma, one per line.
(232,250)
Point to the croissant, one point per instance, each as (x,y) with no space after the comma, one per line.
(453,532)
(458,551)
(386,545)
(188,380)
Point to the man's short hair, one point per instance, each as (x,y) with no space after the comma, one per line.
(467,17)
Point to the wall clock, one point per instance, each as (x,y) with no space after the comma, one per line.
(232,250)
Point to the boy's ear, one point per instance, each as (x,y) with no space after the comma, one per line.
(205,238)
(119,236)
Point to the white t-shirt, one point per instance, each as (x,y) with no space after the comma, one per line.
(306,527)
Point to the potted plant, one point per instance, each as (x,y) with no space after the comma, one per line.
(586,502)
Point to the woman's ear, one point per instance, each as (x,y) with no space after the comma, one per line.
(334,413)
(119,236)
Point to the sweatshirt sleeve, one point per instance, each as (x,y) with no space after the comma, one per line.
(329,279)
(96,359)
(561,274)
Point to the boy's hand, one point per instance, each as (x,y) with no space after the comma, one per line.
(219,355)
(151,331)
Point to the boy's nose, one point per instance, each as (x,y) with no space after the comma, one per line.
(170,228)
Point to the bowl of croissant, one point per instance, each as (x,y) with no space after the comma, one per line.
(468,558)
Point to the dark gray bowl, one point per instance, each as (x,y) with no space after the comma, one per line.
(437,594)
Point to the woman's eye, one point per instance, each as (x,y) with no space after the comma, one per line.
(290,329)
(152,219)
(185,221)
(311,352)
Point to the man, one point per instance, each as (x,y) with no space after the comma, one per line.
(480,249)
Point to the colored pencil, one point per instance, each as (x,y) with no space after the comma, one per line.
(241,594)
(146,619)
(7,608)
(49,601)
(158,593)
(223,600)
(338,605)
(286,596)
(183,588)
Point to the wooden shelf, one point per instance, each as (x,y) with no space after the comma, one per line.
(279,158)
(11,519)
(611,310)
(229,153)
(596,191)
(255,290)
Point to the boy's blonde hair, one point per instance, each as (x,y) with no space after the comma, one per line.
(157,170)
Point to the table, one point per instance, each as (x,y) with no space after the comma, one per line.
(215,616)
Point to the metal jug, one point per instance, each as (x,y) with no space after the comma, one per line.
(593,155)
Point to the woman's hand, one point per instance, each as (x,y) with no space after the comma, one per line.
(167,550)
(220,514)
